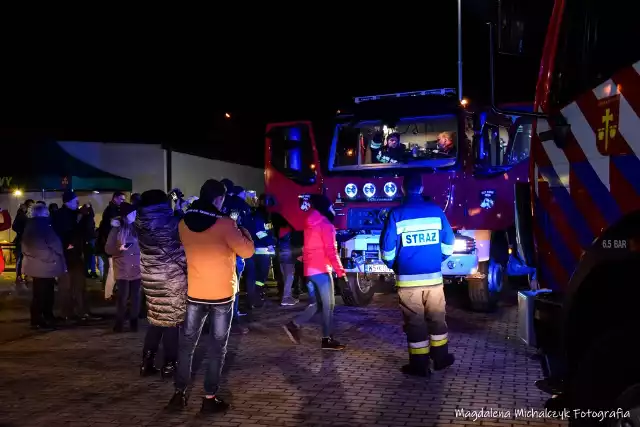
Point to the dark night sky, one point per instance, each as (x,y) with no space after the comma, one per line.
(178,95)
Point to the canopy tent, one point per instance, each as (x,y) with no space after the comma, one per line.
(47,166)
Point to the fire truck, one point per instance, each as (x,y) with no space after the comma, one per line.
(578,215)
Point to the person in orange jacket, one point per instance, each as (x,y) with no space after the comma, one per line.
(211,243)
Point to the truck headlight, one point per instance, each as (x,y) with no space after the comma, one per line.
(460,245)
(464,245)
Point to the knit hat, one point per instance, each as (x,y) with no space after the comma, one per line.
(68,196)
(228,184)
(211,190)
(126,208)
(153,197)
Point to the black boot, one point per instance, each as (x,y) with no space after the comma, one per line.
(133,325)
(441,357)
(117,328)
(418,365)
(147,367)
(168,370)
(178,401)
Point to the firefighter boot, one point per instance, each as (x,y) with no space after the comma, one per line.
(441,357)
(418,365)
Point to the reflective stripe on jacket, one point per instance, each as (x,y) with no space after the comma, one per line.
(415,237)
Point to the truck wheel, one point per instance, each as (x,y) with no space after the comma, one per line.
(484,293)
(608,378)
(357,289)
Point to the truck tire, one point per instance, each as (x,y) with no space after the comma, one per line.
(608,378)
(484,294)
(357,290)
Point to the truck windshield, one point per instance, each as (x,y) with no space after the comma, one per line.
(413,142)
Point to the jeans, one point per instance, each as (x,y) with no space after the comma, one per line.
(240,265)
(256,271)
(19,257)
(42,300)
(89,256)
(288,274)
(320,286)
(220,319)
(72,286)
(128,289)
(105,261)
(169,337)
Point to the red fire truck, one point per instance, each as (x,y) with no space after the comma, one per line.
(472,183)
(579,216)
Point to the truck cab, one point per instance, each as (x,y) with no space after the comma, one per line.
(469,159)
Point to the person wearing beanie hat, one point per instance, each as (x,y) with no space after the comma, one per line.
(320,259)
(122,245)
(228,185)
(163,268)
(211,242)
(68,223)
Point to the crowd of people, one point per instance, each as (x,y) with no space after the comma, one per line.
(186,260)
(180,262)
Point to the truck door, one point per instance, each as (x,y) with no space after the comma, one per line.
(292,168)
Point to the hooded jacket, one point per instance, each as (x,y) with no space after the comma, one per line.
(163,265)
(320,253)
(211,242)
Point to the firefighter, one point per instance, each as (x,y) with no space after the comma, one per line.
(257,267)
(415,238)
(236,207)
(393,151)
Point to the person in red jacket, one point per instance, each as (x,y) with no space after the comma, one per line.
(320,258)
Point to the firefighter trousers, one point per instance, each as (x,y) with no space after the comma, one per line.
(423,309)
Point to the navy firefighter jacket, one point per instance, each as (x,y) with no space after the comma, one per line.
(414,239)
(262,237)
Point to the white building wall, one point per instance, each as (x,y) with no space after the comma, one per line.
(188,173)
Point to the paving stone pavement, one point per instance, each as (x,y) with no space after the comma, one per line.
(89,376)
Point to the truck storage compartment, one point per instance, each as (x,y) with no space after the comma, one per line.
(548,321)
(526,309)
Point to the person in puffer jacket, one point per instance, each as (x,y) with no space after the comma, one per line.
(320,258)
(163,267)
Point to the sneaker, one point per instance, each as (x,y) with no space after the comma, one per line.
(288,301)
(178,401)
(293,332)
(331,344)
(213,405)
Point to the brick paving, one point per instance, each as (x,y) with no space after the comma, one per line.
(88,376)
